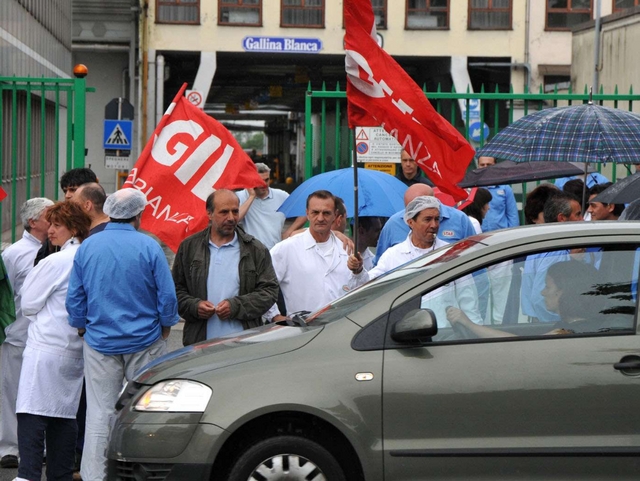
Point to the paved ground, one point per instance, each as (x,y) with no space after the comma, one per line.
(175,342)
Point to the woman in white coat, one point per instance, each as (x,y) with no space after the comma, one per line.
(52,368)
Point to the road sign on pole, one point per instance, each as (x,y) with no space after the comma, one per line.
(117,134)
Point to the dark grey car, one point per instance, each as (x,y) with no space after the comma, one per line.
(381,386)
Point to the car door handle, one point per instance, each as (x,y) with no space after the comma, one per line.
(630,364)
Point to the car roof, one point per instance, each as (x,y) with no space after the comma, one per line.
(487,247)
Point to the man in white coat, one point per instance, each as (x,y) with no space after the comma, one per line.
(422,215)
(18,259)
(312,266)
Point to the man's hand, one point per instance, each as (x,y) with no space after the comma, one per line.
(347,243)
(455,315)
(206,309)
(223,309)
(278,318)
(251,192)
(355,263)
(166,330)
(81,331)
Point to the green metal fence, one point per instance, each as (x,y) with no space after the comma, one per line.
(328,143)
(42,130)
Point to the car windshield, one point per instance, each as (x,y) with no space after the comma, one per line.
(359,297)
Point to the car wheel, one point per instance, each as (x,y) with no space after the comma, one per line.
(286,457)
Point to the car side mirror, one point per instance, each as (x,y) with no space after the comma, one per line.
(416,325)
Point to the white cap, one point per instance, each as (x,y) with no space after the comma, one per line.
(125,204)
(419,204)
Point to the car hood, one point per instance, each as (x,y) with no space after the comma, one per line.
(249,345)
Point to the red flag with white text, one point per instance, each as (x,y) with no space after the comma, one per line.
(380,92)
(188,157)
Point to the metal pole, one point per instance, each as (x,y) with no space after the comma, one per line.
(355,192)
(596,49)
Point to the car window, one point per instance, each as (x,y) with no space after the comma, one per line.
(585,291)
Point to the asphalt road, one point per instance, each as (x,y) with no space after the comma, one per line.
(175,342)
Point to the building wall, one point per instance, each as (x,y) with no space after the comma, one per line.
(456,41)
(620,37)
(35,42)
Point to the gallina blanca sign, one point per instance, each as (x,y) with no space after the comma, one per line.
(282,44)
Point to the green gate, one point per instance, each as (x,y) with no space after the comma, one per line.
(329,144)
(42,130)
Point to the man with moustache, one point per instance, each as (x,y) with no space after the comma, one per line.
(224,277)
(312,266)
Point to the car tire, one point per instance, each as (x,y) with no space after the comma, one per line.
(286,457)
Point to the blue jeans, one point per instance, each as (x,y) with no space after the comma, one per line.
(60,434)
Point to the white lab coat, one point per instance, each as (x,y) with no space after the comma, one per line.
(308,282)
(461,293)
(52,367)
(18,258)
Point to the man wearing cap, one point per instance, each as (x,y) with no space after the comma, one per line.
(454,224)
(422,215)
(122,299)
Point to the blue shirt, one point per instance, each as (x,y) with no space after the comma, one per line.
(121,291)
(454,226)
(503,210)
(223,283)
(262,220)
(592,179)
(534,280)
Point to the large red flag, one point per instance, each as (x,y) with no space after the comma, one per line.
(189,156)
(380,92)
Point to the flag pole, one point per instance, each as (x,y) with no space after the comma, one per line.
(355,191)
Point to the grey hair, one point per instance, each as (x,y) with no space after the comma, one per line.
(556,205)
(32,210)
(262,168)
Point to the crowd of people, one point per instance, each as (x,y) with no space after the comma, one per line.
(95,299)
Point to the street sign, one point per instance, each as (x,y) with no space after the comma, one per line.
(373,144)
(116,162)
(117,134)
(195,97)
(387,168)
(478,130)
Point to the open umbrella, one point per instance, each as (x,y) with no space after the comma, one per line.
(622,192)
(380,194)
(510,172)
(581,133)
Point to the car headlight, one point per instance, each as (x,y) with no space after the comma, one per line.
(176,395)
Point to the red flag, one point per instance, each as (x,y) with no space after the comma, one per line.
(3,194)
(380,92)
(189,156)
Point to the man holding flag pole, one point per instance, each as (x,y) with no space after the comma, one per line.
(380,92)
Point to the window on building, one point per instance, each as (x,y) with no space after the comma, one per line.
(380,12)
(240,12)
(553,82)
(620,5)
(564,14)
(427,14)
(489,14)
(302,13)
(178,11)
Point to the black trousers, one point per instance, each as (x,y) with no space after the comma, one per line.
(60,434)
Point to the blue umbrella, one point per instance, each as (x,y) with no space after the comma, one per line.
(579,133)
(379,194)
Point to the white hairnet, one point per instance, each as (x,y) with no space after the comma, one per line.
(125,204)
(419,204)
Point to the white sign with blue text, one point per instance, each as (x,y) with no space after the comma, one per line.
(282,44)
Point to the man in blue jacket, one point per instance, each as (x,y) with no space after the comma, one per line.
(503,210)
(122,299)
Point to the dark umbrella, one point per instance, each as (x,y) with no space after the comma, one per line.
(510,172)
(622,192)
(582,133)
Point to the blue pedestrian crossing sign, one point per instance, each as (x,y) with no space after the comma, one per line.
(117,134)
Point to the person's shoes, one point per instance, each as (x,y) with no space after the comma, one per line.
(9,461)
